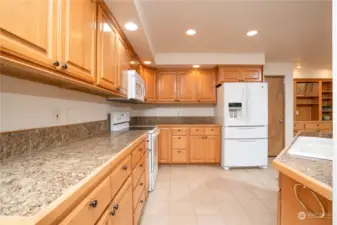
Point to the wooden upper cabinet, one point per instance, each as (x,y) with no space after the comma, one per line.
(239,74)
(29,29)
(78,45)
(206,86)
(122,66)
(187,84)
(150,78)
(167,87)
(106,52)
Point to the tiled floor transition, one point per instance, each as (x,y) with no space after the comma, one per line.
(208,195)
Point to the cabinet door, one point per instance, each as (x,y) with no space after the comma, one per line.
(106,52)
(167,90)
(197,146)
(121,66)
(253,74)
(28,29)
(150,84)
(78,45)
(165,145)
(230,74)
(212,152)
(206,86)
(187,82)
(291,208)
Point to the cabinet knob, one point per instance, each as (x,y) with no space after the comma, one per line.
(125,167)
(113,212)
(93,203)
(64,66)
(178,151)
(141,201)
(141,184)
(56,63)
(141,165)
(178,129)
(178,137)
(140,149)
(197,130)
(116,206)
(118,89)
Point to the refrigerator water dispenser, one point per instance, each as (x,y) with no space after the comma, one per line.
(234,109)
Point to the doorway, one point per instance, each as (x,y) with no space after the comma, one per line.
(276,128)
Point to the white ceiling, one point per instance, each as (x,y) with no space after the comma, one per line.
(289,31)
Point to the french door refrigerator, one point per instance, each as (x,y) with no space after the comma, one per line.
(242,109)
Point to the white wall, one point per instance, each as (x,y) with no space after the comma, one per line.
(25,105)
(176,110)
(312,73)
(285,69)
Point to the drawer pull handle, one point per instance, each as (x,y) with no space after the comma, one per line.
(113,212)
(141,201)
(93,203)
(317,215)
(125,167)
(141,183)
(116,206)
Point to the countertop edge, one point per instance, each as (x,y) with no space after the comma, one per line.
(315,185)
(63,205)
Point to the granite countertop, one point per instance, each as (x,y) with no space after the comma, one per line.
(30,182)
(317,171)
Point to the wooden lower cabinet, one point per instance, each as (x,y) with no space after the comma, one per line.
(120,210)
(291,211)
(164,145)
(312,126)
(189,144)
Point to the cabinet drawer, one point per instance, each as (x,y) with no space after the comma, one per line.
(212,131)
(298,126)
(245,132)
(179,131)
(179,142)
(137,154)
(312,126)
(137,172)
(179,156)
(138,190)
(119,175)
(91,208)
(197,131)
(325,126)
(139,209)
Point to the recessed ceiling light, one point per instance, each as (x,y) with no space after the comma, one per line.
(191,32)
(147,62)
(196,66)
(298,67)
(252,33)
(131,26)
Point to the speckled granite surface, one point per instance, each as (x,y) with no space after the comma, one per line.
(318,169)
(30,182)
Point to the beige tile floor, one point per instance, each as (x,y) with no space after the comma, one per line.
(208,195)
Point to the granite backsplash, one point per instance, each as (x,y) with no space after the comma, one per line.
(19,142)
(153,120)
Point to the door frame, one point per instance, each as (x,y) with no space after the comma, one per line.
(284,108)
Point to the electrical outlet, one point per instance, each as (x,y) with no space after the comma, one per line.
(57,115)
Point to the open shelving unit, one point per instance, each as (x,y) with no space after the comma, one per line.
(312,99)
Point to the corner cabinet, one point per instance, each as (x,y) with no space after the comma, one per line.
(239,74)
(78,39)
(29,30)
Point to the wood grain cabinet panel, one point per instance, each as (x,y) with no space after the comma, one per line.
(150,78)
(120,211)
(187,86)
(119,175)
(197,146)
(206,86)
(212,151)
(140,186)
(197,131)
(78,45)
(212,131)
(139,209)
(29,29)
(137,154)
(106,52)
(179,156)
(229,74)
(122,66)
(164,145)
(137,172)
(91,208)
(253,74)
(167,87)
(179,142)
(239,74)
(179,131)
